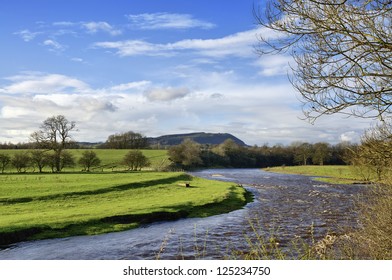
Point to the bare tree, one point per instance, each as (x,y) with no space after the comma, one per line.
(375,152)
(54,134)
(342,51)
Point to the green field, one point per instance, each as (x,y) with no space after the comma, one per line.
(335,174)
(34,206)
(110,159)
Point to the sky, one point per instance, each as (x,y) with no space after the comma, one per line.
(155,67)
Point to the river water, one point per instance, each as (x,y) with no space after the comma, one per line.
(286,206)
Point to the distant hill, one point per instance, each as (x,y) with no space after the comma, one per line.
(199,137)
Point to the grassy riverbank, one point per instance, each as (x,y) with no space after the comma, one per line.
(36,206)
(335,174)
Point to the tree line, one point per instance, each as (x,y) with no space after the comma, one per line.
(37,160)
(49,148)
(124,140)
(190,154)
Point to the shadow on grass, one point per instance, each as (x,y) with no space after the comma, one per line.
(231,202)
(135,185)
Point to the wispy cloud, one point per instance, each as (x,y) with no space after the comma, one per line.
(27,35)
(275,65)
(167,21)
(101,26)
(239,44)
(37,82)
(130,86)
(54,45)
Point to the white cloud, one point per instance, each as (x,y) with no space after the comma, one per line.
(129,86)
(94,27)
(77,59)
(166,94)
(239,44)
(274,65)
(27,35)
(167,21)
(43,83)
(350,136)
(64,23)
(256,111)
(54,45)
(134,47)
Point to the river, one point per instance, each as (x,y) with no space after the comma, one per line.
(286,206)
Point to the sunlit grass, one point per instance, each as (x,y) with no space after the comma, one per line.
(71,204)
(335,174)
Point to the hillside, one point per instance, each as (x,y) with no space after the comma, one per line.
(199,137)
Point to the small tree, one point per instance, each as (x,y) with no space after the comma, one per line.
(135,160)
(66,160)
(20,161)
(57,164)
(39,159)
(4,161)
(89,159)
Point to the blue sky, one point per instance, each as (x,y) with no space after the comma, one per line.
(151,66)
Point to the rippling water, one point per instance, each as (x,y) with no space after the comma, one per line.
(287,205)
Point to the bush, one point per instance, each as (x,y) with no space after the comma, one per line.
(20,161)
(4,161)
(135,160)
(89,159)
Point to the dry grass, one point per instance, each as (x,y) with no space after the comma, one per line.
(374,240)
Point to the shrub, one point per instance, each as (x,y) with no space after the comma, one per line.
(20,161)
(89,159)
(135,160)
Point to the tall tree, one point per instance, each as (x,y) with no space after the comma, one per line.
(54,134)
(342,51)
(302,152)
(321,153)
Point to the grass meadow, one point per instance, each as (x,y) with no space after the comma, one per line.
(36,206)
(46,205)
(337,174)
